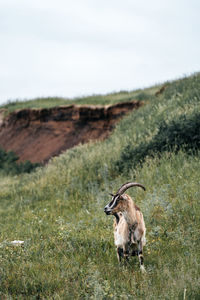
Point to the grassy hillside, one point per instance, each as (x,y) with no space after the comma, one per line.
(58,210)
(90,100)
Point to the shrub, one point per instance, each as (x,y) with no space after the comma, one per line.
(9,164)
(182,133)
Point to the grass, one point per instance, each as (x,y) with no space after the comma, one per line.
(57,210)
(111,98)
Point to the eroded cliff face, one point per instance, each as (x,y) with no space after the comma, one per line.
(38,135)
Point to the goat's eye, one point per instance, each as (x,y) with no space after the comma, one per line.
(118,199)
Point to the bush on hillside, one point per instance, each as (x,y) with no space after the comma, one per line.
(182,133)
(9,164)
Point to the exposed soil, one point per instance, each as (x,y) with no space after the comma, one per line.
(38,135)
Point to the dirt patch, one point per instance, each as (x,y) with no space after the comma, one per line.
(38,135)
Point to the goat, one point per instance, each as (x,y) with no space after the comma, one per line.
(129,226)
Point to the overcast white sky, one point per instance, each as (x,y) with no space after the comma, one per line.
(75,48)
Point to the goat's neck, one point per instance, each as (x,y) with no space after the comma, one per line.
(129,213)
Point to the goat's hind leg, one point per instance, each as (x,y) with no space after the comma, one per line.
(134,249)
(140,256)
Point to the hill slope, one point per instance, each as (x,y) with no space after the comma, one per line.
(69,252)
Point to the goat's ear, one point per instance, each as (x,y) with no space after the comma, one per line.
(122,197)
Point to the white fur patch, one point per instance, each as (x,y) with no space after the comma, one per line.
(119,240)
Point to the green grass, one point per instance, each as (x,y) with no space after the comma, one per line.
(112,98)
(69,251)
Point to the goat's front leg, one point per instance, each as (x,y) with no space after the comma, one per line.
(126,252)
(140,255)
(120,254)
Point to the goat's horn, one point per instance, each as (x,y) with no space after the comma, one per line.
(127,185)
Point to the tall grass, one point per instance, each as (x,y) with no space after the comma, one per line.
(58,211)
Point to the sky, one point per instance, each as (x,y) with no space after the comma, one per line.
(75,48)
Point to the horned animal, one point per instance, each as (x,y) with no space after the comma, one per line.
(129,226)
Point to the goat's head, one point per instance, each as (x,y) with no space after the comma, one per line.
(117,203)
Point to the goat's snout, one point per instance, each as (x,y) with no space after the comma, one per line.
(107,210)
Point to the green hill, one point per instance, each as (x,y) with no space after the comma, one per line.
(57,210)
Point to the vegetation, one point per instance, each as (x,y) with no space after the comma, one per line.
(180,133)
(112,98)
(57,210)
(9,164)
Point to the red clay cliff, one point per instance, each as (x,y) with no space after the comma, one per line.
(37,135)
